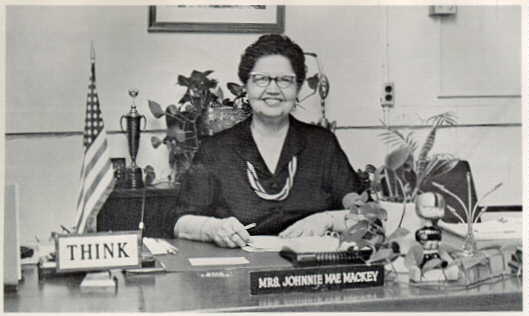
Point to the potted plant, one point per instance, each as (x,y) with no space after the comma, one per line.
(398,181)
(200,112)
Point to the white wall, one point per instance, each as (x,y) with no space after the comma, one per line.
(48,51)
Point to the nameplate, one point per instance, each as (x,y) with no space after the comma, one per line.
(316,279)
(97,251)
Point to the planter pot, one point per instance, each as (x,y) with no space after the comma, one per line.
(411,221)
(217,119)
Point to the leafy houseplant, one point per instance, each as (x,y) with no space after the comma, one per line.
(195,117)
(401,176)
(398,180)
(404,170)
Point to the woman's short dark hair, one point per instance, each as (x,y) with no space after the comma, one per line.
(273,44)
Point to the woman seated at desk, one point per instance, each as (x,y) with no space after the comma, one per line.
(270,169)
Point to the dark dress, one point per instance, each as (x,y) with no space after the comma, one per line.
(217,184)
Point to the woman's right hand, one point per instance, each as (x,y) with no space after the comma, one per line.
(227,232)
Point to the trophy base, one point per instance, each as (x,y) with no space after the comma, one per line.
(134,178)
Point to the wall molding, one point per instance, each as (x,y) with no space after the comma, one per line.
(378,127)
(23,135)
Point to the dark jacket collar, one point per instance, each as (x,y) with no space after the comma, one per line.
(245,145)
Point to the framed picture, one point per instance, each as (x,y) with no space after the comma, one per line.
(217,18)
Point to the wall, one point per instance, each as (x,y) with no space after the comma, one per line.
(48,51)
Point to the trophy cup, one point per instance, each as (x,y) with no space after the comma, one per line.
(133,174)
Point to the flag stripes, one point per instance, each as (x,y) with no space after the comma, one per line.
(97,174)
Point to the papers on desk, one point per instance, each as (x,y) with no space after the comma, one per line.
(504,228)
(159,246)
(217,261)
(262,243)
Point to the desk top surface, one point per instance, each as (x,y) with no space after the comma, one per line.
(221,288)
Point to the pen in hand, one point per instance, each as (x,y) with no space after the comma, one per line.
(247,227)
(250,226)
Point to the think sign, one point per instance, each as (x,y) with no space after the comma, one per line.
(97,251)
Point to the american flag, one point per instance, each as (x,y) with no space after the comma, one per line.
(97,175)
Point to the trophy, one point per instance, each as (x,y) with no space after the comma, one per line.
(133,174)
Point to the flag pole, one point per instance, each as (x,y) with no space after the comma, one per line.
(92,52)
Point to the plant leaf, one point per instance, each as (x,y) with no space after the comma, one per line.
(437,167)
(156,109)
(396,137)
(428,144)
(381,255)
(397,157)
(372,211)
(177,133)
(445,118)
(236,89)
(219,93)
(312,82)
(156,142)
(398,233)
(443,167)
(207,73)
(356,232)
(183,81)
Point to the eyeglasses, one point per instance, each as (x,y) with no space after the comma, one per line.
(263,80)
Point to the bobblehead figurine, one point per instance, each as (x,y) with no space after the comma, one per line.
(428,260)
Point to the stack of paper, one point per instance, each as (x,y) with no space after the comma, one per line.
(504,228)
(262,243)
(217,261)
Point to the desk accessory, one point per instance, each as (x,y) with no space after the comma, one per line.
(472,214)
(313,279)
(97,251)
(96,282)
(304,259)
(134,178)
(428,260)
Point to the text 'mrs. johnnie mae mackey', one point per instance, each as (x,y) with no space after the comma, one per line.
(97,251)
(316,278)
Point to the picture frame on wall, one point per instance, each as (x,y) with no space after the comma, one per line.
(217,18)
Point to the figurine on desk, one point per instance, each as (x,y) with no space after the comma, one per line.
(428,260)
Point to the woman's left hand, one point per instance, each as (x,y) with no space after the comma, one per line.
(314,225)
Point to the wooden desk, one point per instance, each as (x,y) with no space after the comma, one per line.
(226,289)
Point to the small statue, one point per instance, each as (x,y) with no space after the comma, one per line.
(428,260)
